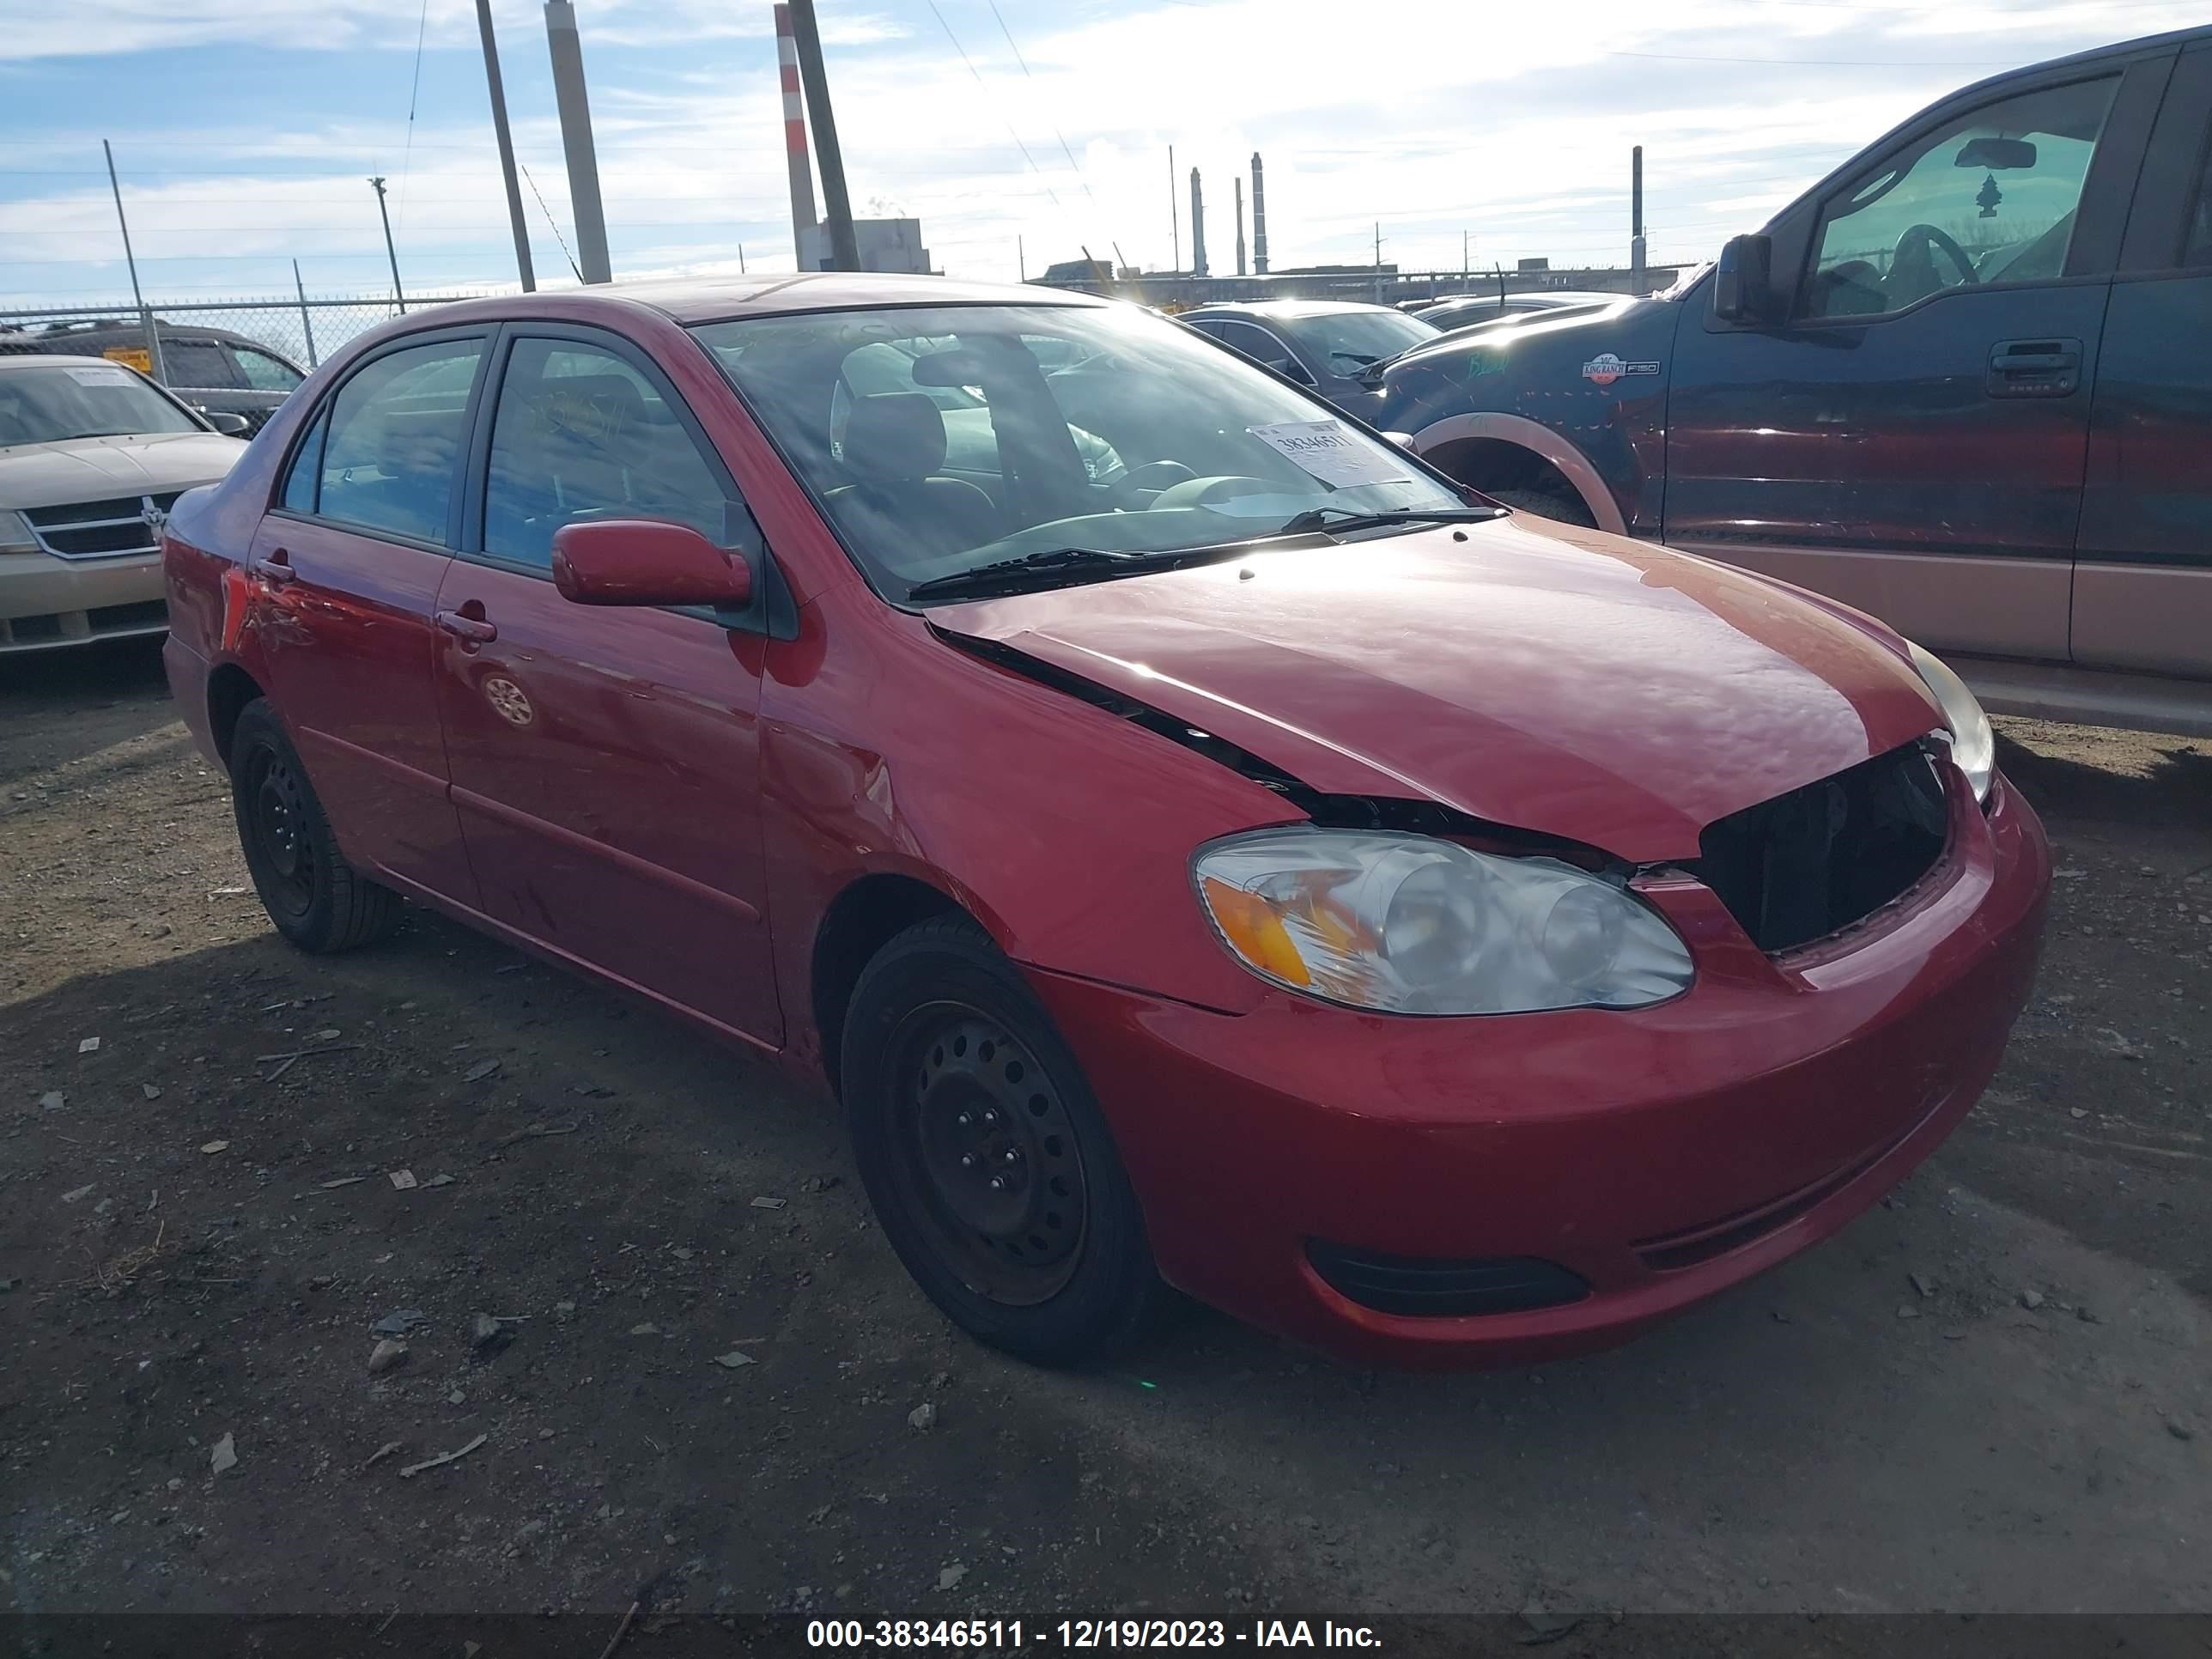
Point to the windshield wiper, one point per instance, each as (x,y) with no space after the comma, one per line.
(1346,518)
(1047,563)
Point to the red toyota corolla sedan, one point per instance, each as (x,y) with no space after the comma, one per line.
(1198,843)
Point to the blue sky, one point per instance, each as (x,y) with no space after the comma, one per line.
(245,129)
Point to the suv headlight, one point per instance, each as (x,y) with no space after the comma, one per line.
(1407,924)
(1973,745)
(15,535)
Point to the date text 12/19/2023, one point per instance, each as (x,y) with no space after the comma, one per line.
(1007,1634)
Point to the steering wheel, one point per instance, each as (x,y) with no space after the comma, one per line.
(1914,259)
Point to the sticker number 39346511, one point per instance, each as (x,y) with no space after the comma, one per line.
(1332,453)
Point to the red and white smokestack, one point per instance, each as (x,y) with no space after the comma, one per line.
(794,135)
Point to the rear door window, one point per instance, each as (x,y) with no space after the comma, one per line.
(264,372)
(197,363)
(392,457)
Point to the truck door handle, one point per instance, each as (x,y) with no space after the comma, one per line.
(2034,368)
(276,569)
(470,630)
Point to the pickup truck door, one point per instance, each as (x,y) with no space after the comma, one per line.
(1912,438)
(2143,582)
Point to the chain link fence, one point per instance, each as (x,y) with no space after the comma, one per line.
(224,357)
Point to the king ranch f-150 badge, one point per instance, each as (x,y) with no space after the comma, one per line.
(1605,368)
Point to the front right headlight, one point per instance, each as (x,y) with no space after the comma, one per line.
(15,535)
(1409,925)
(1973,745)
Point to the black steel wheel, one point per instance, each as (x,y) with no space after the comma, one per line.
(989,1162)
(318,901)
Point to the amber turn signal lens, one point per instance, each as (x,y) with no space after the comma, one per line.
(1254,931)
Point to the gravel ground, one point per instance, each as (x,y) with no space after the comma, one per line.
(1989,1395)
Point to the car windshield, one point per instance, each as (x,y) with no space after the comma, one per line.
(1148,441)
(52,404)
(1354,339)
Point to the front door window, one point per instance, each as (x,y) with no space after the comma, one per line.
(1989,197)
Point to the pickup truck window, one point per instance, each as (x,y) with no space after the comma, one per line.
(1988,197)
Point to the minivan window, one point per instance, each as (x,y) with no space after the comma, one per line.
(580,433)
(393,453)
(1988,197)
(263,371)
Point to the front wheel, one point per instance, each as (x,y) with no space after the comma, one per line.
(318,901)
(985,1155)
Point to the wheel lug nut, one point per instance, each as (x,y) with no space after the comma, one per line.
(966,1160)
(997,1185)
(990,1117)
(1012,1156)
(962,1120)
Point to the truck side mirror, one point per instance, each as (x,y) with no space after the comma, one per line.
(1743,282)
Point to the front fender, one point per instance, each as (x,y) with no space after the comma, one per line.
(1587,393)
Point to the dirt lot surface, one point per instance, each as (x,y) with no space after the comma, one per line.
(1990,1394)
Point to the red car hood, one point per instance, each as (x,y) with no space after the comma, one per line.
(1572,683)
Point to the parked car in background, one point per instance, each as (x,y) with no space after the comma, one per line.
(1325,344)
(1434,935)
(1462,310)
(1960,384)
(213,370)
(90,453)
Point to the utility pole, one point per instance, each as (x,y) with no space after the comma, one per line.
(567,51)
(1636,219)
(306,323)
(1022,260)
(383,213)
(505,148)
(1463,266)
(1378,262)
(145,317)
(844,249)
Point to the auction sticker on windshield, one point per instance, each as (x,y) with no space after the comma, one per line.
(101,376)
(1328,450)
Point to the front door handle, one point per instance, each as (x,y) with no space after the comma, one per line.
(2034,368)
(276,569)
(470,629)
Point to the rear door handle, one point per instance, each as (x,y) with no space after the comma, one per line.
(276,569)
(470,630)
(2034,368)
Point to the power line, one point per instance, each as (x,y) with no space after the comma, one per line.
(413,87)
(548,212)
(1011,133)
(1056,132)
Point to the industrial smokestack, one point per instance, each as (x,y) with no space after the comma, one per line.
(1259,218)
(1240,225)
(1197,226)
(794,135)
(1636,219)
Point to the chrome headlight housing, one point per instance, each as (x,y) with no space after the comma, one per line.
(1409,925)
(1973,745)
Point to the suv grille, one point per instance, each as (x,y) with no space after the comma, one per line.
(99,530)
(1813,862)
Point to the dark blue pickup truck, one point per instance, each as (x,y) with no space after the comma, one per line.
(1964,383)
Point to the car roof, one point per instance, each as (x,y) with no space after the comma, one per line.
(51,359)
(691,299)
(1283,308)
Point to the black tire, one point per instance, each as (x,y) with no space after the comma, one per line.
(942,1032)
(318,901)
(1562,504)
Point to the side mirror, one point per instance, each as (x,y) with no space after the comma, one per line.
(646,561)
(1743,284)
(223,421)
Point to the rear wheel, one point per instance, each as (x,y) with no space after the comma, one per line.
(985,1155)
(318,901)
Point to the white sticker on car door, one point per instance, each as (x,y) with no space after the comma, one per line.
(1332,453)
